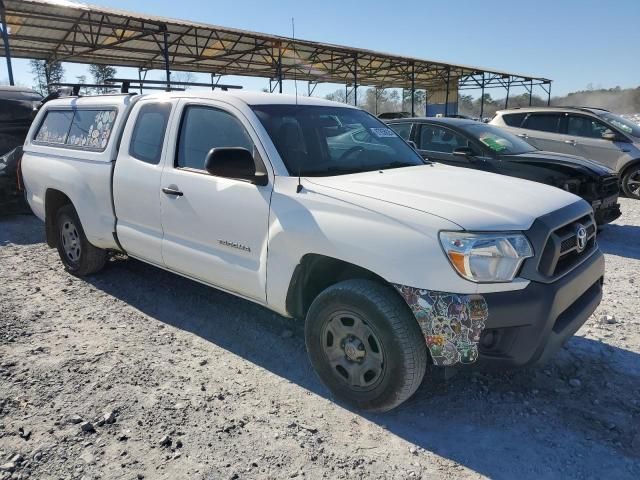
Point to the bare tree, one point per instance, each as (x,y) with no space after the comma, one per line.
(100,74)
(46,72)
(187,77)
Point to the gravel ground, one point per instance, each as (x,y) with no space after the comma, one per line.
(138,373)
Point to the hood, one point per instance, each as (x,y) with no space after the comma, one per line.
(476,201)
(567,160)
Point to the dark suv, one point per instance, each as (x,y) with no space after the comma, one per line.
(470,144)
(592,133)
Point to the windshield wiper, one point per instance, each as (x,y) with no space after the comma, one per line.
(335,171)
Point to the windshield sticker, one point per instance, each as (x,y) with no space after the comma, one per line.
(493,143)
(451,323)
(383,132)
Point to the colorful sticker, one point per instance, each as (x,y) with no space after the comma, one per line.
(451,323)
(383,132)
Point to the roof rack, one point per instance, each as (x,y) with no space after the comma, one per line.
(583,107)
(127,83)
(552,107)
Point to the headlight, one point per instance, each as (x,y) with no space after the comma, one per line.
(486,257)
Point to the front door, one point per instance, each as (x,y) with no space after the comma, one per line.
(586,134)
(215,229)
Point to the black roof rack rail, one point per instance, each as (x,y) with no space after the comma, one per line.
(552,107)
(148,84)
(73,89)
(583,107)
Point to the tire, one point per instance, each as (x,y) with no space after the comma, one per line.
(78,256)
(365,345)
(631,182)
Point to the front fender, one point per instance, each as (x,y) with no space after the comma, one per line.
(396,243)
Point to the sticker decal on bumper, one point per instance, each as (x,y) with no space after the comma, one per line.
(451,323)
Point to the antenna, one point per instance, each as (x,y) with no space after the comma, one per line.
(295,58)
(295,84)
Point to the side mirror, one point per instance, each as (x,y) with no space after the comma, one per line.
(609,135)
(234,162)
(465,152)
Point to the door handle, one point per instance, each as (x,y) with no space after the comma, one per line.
(570,142)
(523,135)
(172,191)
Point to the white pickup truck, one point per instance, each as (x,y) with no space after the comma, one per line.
(319,211)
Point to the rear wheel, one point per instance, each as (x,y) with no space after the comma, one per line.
(78,256)
(365,344)
(631,182)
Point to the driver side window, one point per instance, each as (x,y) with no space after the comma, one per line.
(585,127)
(437,139)
(204,128)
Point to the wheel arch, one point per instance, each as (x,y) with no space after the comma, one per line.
(623,173)
(630,164)
(54,200)
(314,273)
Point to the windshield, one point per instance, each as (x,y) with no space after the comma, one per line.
(498,140)
(323,141)
(627,126)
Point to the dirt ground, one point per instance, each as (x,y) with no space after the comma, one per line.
(137,373)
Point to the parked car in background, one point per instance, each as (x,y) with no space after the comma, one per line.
(12,199)
(593,133)
(389,115)
(18,107)
(392,262)
(471,144)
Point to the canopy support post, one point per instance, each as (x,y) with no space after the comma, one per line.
(413,89)
(506,99)
(5,40)
(165,53)
(482,98)
(530,92)
(446,98)
(355,82)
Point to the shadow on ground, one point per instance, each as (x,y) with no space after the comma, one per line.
(620,240)
(21,230)
(529,424)
(491,423)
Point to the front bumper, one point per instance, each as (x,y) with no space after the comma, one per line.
(516,328)
(528,326)
(606,210)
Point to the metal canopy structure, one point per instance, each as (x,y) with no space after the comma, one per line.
(72,32)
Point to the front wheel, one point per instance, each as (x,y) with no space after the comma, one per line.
(78,256)
(365,344)
(631,182)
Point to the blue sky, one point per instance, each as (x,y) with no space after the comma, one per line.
(574,42)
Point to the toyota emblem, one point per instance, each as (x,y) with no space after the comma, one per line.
(581,238)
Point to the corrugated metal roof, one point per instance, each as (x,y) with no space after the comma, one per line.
(75,32)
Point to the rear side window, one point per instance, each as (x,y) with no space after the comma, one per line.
(544,122)
(148,132)
(513,119)
(402,129)
(83,129)
(55,127)
(204,128)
